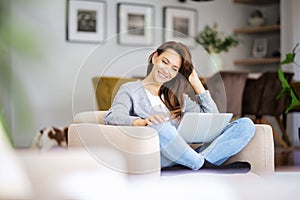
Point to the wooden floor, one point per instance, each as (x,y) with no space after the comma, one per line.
(287,160)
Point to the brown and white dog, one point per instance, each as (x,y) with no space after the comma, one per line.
(49,138)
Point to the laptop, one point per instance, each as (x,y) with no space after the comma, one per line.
(202,127)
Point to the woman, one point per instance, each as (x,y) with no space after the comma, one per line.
(160,101)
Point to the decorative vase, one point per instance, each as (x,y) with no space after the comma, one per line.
(256,21)
(217,60)
(256,18)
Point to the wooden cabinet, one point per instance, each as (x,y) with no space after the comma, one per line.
(265,31)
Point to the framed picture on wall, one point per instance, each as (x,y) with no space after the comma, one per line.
(260,48)
(180,24)
(135,24)
(85,21)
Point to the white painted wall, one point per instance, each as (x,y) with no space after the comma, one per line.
(49,78)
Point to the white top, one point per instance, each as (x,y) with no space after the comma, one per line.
(157,105)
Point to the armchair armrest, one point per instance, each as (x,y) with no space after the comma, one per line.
(95,117)
(259,152)
(134,150)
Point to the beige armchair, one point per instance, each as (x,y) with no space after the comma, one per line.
(135,150)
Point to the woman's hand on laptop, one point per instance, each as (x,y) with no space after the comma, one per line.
(152,119)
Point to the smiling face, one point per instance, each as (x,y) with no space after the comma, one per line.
(168,72)
(166,66)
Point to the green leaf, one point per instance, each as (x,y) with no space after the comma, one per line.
(294,49)
(294,102)
(289,58)
(286,88)
(282,92)
(284,84)
(282,78)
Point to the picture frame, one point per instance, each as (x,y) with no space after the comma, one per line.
(86,21)
(180,24)
(135,24)
(260,48)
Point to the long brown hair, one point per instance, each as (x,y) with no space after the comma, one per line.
(171,92)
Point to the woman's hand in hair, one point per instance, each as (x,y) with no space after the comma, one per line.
(153,119)
(196,83)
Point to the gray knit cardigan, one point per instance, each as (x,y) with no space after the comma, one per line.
(131,102)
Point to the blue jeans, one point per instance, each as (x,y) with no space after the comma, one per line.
(174,150)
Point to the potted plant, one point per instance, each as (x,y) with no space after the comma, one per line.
(286,87)
(215,41)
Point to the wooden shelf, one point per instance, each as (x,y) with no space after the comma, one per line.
(267,31)
(257,29)
(256,2)
(257,61)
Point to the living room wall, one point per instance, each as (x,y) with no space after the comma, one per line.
(55,83)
